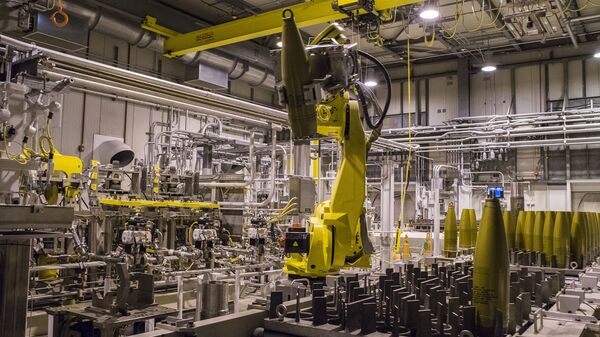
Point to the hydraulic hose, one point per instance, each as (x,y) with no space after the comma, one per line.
(388,98)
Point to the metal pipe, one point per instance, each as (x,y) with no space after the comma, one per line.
(179,279)
(516,144)
(512,133)
(147,103)
(118,89)
(216,270)
(488,127)
(65,266)
(586,18)
(85,65)
(199,282)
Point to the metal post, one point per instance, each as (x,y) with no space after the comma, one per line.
(179,279)
(402,205)
(236,296)
(387,211)
(436,185)
(198,297)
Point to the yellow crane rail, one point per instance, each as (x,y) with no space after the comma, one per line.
(264,24)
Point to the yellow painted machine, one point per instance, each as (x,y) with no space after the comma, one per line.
(318,80)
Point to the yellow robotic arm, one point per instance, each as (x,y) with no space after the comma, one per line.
(318,103)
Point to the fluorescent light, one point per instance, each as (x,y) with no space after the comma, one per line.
(488,68)
(371,83)
(597,55)
(429,13)
(280,44)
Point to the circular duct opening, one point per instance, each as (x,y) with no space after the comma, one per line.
(114,152)
(123,157)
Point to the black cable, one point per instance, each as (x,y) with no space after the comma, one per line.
(388,98)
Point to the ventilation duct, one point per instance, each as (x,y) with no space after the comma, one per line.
(114,151)
(73,37)
(124,28)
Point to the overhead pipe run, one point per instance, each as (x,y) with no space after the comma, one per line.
(129,78)
(161,99)
(495,132)
(120,27)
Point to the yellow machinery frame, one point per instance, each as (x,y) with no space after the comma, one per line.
(306,14)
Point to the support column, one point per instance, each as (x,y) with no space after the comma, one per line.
(387,212)
(464,87)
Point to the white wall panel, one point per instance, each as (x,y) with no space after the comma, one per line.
(422,95)
(592,77)
(529,89)
(490,93)
(381,92)
(413,99)
(575,80)
(138,125)
(91,124)
(555,81)
(71,124)
(443,99)
(547,197)
(112,117)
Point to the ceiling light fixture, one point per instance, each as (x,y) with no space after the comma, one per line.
(429,13)
(371,83)
(597,55)
(279,44)
(488,68)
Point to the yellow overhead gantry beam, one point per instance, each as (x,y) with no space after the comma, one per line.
(264,24)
